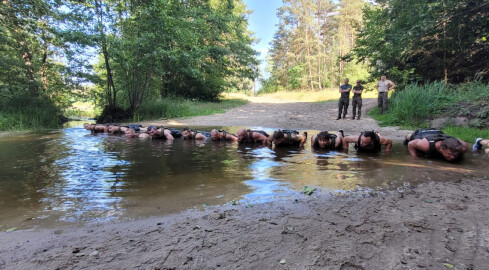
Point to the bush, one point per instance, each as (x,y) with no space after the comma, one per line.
(179,107)
(28,113)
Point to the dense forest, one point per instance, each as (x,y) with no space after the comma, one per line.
(318,42)
(146,50)
(123,54)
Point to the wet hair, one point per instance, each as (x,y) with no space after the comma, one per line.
(277,135)
(186,129)
(374,138)
(323,135)
(452,144)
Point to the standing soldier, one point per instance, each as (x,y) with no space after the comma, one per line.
(383,86)
(357,99)
(344,99)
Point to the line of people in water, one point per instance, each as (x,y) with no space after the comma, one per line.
(429,143)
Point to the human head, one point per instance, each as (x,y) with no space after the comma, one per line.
(214,135)
(187,133)
(370,140)
(451,149)
(88,126)
(242,135)
(278,137)
(383,78)
(358,82)
(347,80)
(323,139)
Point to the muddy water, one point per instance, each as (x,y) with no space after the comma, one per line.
(69,176)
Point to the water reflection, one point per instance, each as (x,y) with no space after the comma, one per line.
(71,175)
(264,187)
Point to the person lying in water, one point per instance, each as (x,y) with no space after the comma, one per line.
(287,137)
(222,135)
(160,133)
(434,143)
(326,140)
(97,128)
(368,141)
(253,136)
(481,143)
(190,134)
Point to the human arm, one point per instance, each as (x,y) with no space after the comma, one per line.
(391,85)
(199,136)
(464,145)
(358,91)
(167,134)
(387,143)
(347,140)
(230,137)
(313,137)
(418,144)
(301,138)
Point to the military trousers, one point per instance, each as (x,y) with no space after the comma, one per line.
(383,102)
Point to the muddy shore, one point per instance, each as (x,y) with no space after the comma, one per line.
(441,225)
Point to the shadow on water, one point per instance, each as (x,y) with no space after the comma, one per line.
(68,176)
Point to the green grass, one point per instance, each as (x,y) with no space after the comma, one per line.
(412,107)
(178,107)
(26,113)
(466,133)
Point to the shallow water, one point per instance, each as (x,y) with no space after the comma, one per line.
(69,176)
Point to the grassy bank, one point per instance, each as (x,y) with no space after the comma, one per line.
(179,107)
(26,113)
(416,105)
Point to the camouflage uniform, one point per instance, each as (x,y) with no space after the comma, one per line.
(344,101)
(357,101)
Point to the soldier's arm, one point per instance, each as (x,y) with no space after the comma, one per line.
(387,143)
(167,134)
(349,139)
(391,86)
(200,136)
(464,145)
(230,137)
(301,138)
(313,137)
(415,145)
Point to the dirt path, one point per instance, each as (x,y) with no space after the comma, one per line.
(274,113)
(441,225)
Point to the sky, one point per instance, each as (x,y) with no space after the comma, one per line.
(263,22)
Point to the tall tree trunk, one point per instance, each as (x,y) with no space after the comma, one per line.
(111,90)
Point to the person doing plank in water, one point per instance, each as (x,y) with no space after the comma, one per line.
(190,134)
(326,140)
(253,136)
(368,141)
(222,135)
(97,128)
(164,133)
(285,137)
(434,143)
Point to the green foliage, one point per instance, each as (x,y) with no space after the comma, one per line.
(311,47)
(425,40)
(295,73)
(415,105)
(28,113)
(179,107)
